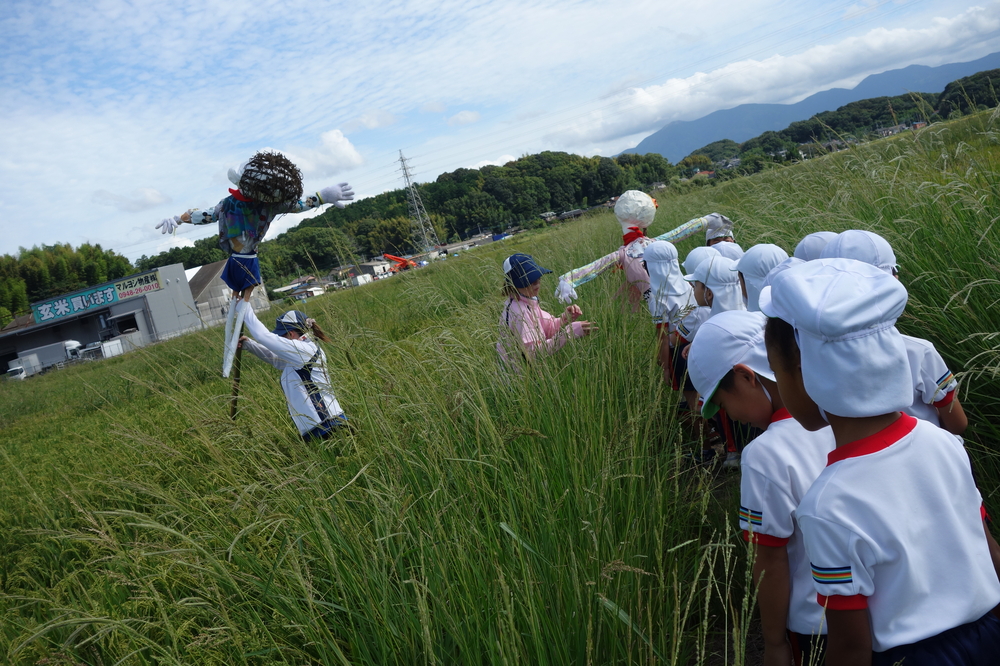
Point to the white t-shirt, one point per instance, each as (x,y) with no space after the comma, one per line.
(777,469)
(688,326)
(895,524)
(933,383)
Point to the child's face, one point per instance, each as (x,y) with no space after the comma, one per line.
(531,291)
(702,294)
(793,391)
(716,241)
(745,401)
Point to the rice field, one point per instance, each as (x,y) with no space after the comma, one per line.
(473,516)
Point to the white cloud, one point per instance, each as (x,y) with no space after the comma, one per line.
(335,154)
(500,161)
(143,198)
(779,78)
(433,107)
(371,120)
(464,118)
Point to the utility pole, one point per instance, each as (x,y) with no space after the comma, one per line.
(421,228)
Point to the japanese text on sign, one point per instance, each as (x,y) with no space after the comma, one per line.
(90,299)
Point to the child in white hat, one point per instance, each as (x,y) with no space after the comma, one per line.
(753,268)
(719,235)
(893,525)
(672,305)
(811,246)
(935,389)
(728,365)
(525,327)
(716,285)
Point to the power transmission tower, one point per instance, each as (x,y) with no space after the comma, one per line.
(422,230)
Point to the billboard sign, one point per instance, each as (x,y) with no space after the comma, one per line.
(96,297)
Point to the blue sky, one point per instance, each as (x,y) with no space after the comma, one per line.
(116,114)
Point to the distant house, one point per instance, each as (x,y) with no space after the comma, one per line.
(375,267)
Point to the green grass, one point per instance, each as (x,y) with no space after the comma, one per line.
(475,516)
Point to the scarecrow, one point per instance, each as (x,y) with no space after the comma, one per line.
(268,185)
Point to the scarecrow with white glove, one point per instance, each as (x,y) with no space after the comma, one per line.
(635,211)
(269,184)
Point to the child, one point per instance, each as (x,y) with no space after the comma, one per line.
(716,285)
(719,235)
(304,379)
(728,365)
(811,246)
(671,301)
(935,389)
(525,327)
(753,268)
(893,525)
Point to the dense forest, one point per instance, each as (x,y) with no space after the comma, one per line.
(49,270)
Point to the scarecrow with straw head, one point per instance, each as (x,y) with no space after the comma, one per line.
(268,185)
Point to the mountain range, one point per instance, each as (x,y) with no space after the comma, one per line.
(678,139)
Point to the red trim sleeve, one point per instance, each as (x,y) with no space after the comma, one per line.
(837,602)
(946,400)
(982,512)
(764,539)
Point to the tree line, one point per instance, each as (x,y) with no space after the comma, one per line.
(50,270)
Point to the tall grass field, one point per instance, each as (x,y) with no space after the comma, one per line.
(473,516)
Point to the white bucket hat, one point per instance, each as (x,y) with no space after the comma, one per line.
(844,313)
(717,274)
(863,246)
(811,246)
(667,289)
(696,256)
(729,250)
(724,341)
(754,265)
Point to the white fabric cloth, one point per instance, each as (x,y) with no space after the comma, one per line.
(933,382)
(689,326)
(777,468)
(635,209)
(863,246)
(306,385)
(754,266)
(895,522)
(729,250)
(811,246)
(695,257)
(724,341)
(670,295)
(843,312)
(774,272)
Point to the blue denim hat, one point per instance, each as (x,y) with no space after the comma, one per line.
(522,270)
(293,320)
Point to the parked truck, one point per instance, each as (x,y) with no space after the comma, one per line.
(42,358)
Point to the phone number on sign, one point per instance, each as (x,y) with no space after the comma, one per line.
(129,293)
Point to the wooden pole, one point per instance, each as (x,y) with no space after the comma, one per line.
(236,377)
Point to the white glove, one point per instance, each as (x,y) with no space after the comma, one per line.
(565,291)
(168,224)
(337,194)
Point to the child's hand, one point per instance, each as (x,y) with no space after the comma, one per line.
(587,327)
(242,339)
(572,313)
(685,351)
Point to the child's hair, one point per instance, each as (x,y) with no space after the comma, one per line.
(509,290)
(779,336)
(319,333)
